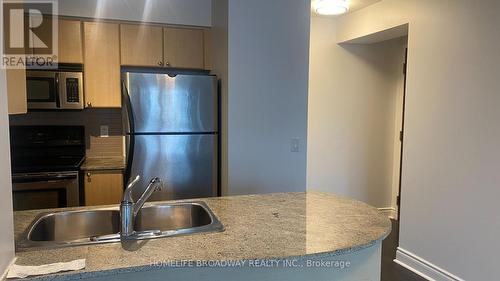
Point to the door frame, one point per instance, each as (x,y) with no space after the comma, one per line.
(401,137)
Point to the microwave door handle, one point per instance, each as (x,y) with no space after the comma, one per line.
(58,98)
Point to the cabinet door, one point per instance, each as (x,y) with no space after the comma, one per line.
(183,48)
(103,188)
(102,65)
(16,91)
(70,41)
(141,45)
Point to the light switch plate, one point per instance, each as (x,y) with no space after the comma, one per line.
(104,131)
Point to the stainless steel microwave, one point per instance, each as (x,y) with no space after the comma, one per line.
(54,90)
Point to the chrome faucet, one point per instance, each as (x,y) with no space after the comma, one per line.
(129,209)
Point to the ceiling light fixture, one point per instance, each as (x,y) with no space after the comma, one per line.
(331,7)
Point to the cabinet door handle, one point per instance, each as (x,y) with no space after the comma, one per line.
(167,64)
(89,104)
(160,63)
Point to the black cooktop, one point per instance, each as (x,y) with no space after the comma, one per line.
(47,148)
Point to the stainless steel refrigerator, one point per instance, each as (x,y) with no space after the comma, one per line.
(171,125)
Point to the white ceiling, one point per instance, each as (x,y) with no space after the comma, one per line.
(354,5)
(360,4)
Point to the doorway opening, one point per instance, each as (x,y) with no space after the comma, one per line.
(380,132)
(392,44)
(355,115)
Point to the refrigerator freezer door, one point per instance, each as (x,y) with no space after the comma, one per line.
(187,165)
(164,104)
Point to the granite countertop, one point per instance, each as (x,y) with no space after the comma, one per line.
(103,163)
(270,226)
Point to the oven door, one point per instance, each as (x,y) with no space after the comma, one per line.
(45,190)
(42,90)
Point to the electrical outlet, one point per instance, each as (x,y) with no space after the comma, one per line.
(295,145)
(104,131)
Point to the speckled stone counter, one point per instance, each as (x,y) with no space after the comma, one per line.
(103,163)
(271,226)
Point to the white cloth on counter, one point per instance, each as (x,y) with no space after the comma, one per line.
(23,271)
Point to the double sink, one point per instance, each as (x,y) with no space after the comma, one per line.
(102,225)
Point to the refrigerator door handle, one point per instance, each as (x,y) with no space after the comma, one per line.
(128,108)
(130,134)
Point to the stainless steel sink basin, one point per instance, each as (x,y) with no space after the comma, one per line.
(85,227)
(74,226)
(172,217)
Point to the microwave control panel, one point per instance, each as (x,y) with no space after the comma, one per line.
(72,94)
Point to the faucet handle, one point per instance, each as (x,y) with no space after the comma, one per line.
(134,181)
(157,183)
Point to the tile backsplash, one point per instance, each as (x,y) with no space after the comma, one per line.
(92,119)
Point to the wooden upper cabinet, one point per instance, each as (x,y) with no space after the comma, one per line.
(183,47)
(102,64)
(16,91)
(141,45)
(70,41)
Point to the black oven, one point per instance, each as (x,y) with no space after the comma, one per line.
(46,164)
(45,190)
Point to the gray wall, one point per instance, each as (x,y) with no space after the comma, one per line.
(449,209)
(268,62)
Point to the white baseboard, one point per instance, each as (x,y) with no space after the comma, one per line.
(422,267)
(390,212)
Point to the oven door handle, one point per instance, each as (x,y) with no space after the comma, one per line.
(44,177)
